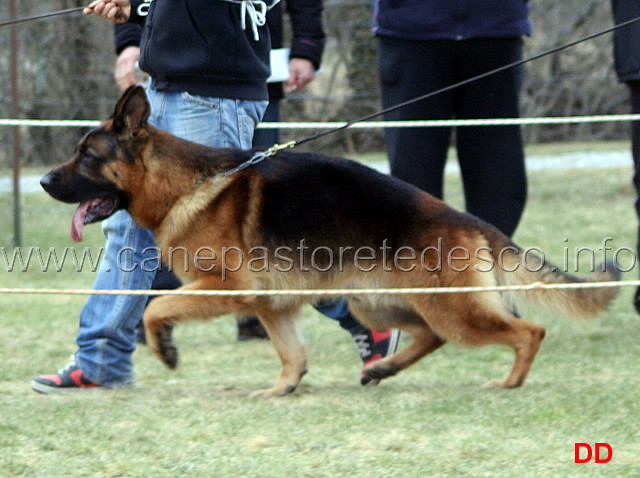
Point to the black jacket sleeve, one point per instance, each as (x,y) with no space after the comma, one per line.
(126,34)
(308,34)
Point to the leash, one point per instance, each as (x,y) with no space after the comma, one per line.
(260,156)
(43,15)
(467,81)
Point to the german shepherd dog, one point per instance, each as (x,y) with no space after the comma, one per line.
(307,221)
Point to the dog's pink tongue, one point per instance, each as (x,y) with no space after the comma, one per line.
(77,223)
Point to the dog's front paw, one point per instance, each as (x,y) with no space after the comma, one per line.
(367,381)
(372,374)
(500,384)
(273,392)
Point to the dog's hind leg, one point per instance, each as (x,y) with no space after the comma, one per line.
(283,332)
(525,339)
(172,309)
(475,320)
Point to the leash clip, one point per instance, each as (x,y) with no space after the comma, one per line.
(279,147)
(259,156)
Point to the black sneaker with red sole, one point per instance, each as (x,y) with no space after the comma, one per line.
(373,346)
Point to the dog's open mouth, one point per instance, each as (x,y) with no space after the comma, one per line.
(90,211)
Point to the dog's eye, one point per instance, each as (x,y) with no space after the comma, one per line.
(86,159)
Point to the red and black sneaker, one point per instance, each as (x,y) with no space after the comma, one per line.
(69,379)
(373,346)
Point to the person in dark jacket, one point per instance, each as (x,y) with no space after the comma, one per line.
(208,68)
(426,45)
(194,90)
(626,42)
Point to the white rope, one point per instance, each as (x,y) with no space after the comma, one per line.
(367,124)
(331,292)
(50,123)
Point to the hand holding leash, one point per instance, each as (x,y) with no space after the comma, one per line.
(118,11)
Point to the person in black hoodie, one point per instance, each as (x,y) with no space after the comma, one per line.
(208,61)
(208,84)
(306,50)
(626,42)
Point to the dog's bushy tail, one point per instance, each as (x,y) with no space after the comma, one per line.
(575,303)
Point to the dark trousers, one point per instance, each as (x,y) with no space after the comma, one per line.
(263,137)
(491,157)
(634,90)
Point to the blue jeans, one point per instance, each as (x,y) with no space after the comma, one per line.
(106,338)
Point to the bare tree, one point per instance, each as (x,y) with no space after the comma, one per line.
(577,81)
(66,68)
(64,73)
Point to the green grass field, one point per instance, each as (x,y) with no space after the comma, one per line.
(432,420)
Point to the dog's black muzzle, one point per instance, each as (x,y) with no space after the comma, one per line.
(74,188)
(52,183)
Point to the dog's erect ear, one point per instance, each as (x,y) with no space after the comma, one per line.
(132,111)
